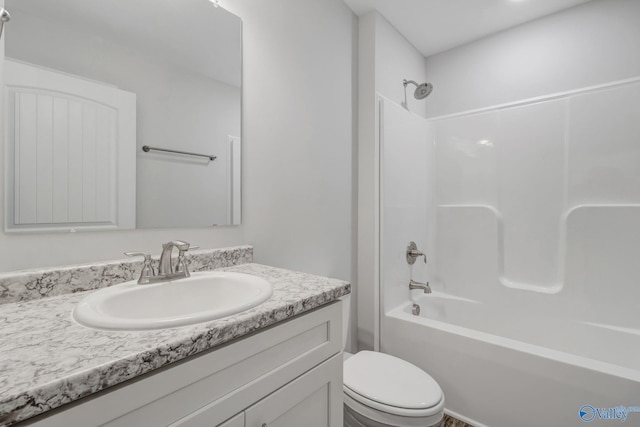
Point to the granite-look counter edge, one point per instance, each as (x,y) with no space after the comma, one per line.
(48,360)
(28,285)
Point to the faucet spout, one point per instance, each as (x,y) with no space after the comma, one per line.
(417,285)
(166,271)
(165,267)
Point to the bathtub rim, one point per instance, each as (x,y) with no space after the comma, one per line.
(403,312)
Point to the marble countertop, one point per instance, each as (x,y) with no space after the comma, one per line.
(48,360)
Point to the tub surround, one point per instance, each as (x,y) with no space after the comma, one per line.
(49,282)
(49,360)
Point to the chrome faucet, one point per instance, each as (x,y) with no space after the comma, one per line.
(417,285)
(165,267)
(166,272)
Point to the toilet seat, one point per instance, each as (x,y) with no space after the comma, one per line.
(390,390)
(373,417)
(393,410)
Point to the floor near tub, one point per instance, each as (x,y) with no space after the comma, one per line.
(449,421)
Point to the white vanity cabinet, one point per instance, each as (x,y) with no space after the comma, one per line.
(303,402)
(311,400)
(286,375)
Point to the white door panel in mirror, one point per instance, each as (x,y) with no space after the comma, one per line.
(65,136)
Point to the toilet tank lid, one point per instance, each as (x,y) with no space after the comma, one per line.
(390,381)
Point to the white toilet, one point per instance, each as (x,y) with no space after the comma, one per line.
(381,390)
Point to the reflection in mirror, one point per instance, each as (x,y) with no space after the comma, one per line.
(90,83)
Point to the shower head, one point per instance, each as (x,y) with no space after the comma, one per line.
(422,90)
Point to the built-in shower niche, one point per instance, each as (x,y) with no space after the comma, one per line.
(529,196)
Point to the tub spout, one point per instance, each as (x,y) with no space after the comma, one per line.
(417,285)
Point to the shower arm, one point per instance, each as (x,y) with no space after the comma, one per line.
(405,82)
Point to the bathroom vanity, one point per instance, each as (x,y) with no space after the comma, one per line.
(286,375)
(278,364)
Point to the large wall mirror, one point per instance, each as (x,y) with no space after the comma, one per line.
(121,115)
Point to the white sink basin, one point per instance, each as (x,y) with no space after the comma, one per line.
(202,297)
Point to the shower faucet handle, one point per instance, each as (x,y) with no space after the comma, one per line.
(413,253)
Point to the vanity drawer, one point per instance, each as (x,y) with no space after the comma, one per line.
(236,375)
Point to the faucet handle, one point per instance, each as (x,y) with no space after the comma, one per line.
(181,265)
(181,251)
(142,254)
(413,253)
(147,269)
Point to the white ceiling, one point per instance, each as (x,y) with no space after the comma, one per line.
(434,26)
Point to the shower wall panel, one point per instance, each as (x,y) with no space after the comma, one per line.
(604,147)
(528,195)
(505,170)
(466,166)
(406,189)
(531,157)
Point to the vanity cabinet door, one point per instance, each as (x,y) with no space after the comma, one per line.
(237,421)
(312,400)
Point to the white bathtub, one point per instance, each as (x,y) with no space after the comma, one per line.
(503,369)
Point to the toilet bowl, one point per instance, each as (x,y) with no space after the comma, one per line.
(381,390)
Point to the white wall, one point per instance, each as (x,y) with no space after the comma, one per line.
(300,100)
(591,44)
(395,60)
(298,138)
(298,126)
